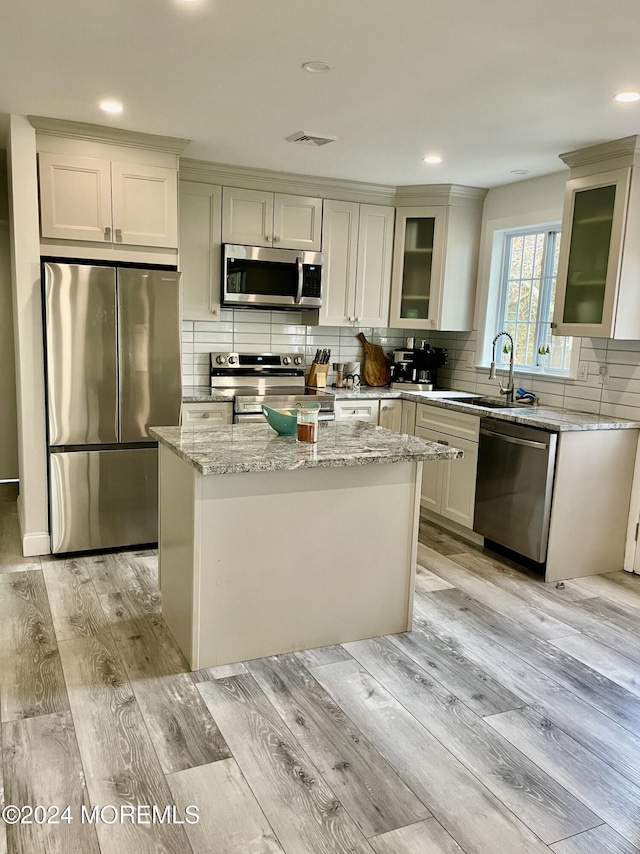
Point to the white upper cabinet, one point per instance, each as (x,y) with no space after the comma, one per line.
(144,203)
(357,242)
(598,293)
(257,218)
(84,198)
(373,277)
(200,238)
(75,197)
(435,261)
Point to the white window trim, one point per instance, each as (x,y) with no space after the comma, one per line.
(489,286)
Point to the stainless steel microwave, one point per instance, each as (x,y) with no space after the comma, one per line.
(260,277)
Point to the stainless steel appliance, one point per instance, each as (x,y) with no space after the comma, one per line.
(515,486)
(112,340)
(257,277)
(274,379)
(417,365)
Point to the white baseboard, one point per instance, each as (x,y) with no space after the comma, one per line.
(34,543)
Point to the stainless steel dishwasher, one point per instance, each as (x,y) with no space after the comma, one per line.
(515,485)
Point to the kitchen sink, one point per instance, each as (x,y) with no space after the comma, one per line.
(488,402)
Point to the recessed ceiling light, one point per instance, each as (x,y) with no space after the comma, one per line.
(432,158)
(519,171)
(627,97)
(111,106)
(316,67)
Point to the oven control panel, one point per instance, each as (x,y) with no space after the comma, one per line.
(256,361)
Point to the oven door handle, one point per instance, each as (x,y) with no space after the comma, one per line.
(300,280)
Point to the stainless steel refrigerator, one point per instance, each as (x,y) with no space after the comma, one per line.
(112,342)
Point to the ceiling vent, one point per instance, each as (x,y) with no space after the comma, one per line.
(304,138)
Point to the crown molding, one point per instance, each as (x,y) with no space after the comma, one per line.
(340,189)
(282,182)
(100,133)
(622,150)
(458,195)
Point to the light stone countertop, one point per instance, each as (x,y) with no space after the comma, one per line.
(203,394)
(543,417)
(257,447)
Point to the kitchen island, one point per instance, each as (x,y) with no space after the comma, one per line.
(246,517)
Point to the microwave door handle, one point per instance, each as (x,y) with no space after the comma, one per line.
(300,280)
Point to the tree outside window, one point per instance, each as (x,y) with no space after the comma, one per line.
(528,285)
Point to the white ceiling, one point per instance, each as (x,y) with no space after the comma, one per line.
(491,85)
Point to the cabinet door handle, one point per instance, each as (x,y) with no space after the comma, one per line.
(554,325)
(107,233)
(118,234)
(385,408)
(358,319)
(267,238)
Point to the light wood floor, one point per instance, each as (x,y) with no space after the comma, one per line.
(505,723)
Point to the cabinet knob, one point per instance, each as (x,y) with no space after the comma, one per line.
(352,320)
(267,238)
(554,325)
(205,415)
(358,319)
(275,239)
(107,233)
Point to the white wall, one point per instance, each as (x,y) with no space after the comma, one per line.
(27,315)
(8,416)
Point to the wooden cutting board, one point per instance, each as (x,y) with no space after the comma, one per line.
(375,368)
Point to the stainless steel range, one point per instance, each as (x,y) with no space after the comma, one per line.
(274,379)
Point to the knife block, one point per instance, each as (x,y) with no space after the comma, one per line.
(318,375)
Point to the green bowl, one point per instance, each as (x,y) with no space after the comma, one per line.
(284,424)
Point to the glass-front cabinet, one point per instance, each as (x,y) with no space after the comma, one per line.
(435,261)
(417,273)
(593,227)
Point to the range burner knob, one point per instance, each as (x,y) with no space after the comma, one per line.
(297,360)
(233,360)
(286,360)
(221,360)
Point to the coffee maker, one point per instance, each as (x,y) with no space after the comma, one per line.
(417,366)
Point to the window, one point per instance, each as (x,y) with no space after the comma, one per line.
(527,292)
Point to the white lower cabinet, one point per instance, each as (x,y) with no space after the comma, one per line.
(408,417)
(357,410)
(391,415)
(207,413)
(449,486)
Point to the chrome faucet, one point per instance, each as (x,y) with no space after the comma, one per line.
(509,391)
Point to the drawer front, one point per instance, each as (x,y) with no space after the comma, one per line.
(447,421)
(206,413)
(352,410)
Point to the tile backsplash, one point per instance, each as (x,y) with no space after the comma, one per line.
(618,395)
(260,331)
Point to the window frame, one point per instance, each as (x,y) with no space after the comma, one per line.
(544,298)
(489,288)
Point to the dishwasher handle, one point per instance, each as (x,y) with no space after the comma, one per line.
(514,440)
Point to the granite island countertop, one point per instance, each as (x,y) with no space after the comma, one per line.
(242,448)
